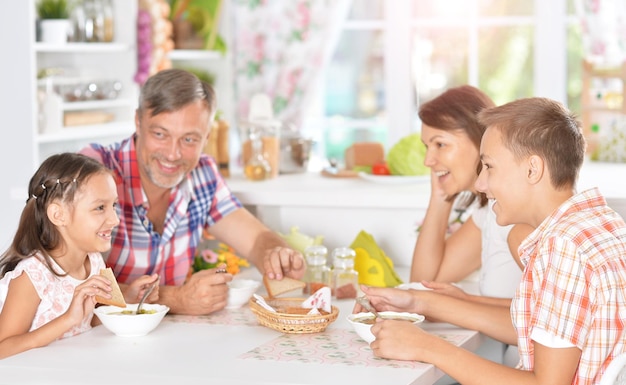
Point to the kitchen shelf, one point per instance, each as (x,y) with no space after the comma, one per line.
(82,47)
(194,54)
(98,104)
(62,125)
(603,106)
(92,131)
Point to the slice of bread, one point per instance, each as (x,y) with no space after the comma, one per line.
(276,287)
(117,298)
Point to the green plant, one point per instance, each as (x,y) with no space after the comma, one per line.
(203,75)
(204,17)
(52,9)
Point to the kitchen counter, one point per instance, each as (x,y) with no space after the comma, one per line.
(338,208)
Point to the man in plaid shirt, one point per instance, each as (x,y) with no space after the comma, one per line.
(568,314)
(169,192)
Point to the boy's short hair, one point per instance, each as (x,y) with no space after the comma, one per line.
(543,127)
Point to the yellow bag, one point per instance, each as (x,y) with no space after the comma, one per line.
(374,267)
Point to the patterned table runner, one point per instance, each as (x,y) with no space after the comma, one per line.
(242,316)
(333,346)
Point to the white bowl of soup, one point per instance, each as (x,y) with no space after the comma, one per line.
(240,291)
(362,322)
(124,322)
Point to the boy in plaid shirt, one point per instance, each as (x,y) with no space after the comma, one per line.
(567,316)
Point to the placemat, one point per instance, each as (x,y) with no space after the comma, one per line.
(241,316)
(333,346)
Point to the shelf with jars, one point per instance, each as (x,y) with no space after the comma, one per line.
(194,55)
(604,111)
(85,87)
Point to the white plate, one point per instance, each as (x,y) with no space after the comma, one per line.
(413,286)
(394,179)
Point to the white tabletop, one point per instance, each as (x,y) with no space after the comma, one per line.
(192,350)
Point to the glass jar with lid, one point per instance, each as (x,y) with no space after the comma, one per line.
(345,278)
(318,273)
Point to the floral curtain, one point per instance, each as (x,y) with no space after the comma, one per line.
(604,30)
(279,48)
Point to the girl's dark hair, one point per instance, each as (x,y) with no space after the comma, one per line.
(457,110)
(58,179)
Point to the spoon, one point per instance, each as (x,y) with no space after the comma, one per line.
(146,294)
(363,301)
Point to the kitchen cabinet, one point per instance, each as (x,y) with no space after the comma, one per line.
(95,119)
(23,147)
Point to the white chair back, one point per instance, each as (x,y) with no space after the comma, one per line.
(616,372)
(618,204)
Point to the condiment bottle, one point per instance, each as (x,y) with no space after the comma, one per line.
(318,274)
(257,168)
(345,278)
(107,21)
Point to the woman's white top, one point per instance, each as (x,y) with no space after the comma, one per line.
(499,274)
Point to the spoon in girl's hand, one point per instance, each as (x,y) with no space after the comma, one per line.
(363,301)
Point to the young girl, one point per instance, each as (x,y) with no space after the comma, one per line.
(50,273)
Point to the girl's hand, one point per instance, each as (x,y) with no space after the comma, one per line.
(84,299)
(134,291)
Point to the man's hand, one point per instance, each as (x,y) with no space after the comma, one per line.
(204,292)
(279,262)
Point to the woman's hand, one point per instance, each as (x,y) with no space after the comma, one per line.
(436,190)
(448,289)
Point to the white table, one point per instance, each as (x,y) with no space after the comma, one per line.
(192,353)
(193,350)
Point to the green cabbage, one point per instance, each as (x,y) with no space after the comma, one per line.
(407,157)
(300,241)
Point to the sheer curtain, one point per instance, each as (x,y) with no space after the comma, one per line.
(604,30)
(280,46)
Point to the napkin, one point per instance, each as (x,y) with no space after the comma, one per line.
(261,301)
(374,266)
(319,300)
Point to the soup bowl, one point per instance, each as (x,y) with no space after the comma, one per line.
(240,291)
(124,322)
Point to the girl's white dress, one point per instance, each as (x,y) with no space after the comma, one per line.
(55,292)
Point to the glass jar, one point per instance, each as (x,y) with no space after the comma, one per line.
(94,21)
(108,22)
(345,278)
(257,166)
(318,273)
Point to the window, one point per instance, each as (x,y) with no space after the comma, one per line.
(393,55)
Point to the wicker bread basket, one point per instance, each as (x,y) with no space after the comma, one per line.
(288,322)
